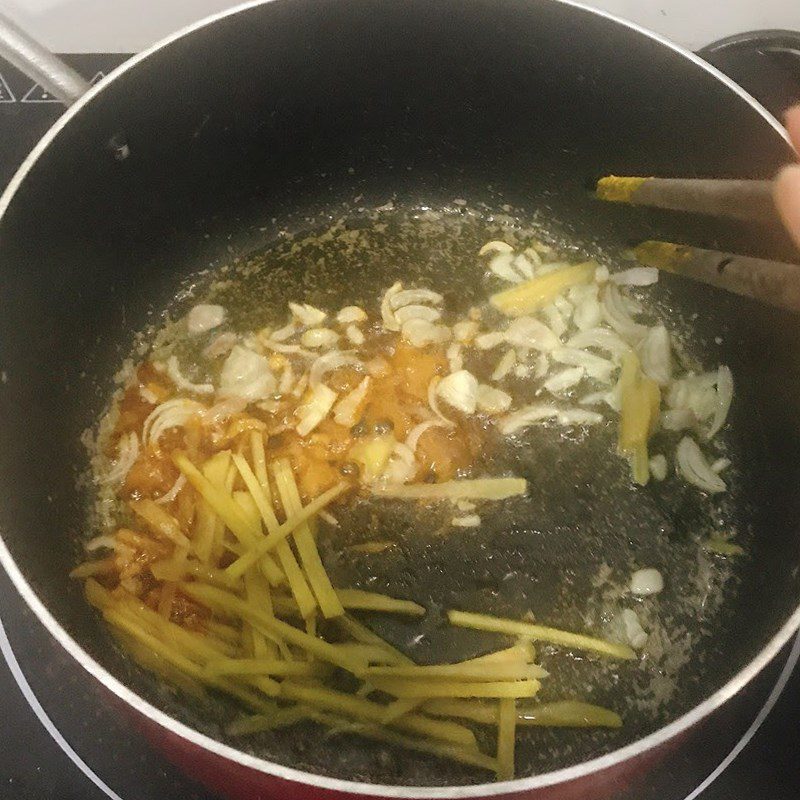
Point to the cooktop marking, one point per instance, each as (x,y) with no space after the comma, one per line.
(37,94)
(6,95)
(41,714)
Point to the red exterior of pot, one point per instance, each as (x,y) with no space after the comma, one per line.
(236,782)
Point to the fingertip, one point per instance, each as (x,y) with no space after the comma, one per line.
(791,120)
(788,177)
(786,191)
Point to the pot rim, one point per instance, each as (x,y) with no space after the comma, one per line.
(571,773)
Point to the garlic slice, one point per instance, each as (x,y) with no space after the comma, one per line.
(459,390)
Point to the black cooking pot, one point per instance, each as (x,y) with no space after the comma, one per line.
(275,116)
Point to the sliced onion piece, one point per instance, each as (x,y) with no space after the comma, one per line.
(577,294)
(600,339)
(221,345)
(286,381)
(310,413)
(354,335)
(454,359)
(723,400)
(593,399)
(645,582)
(540,248)
(329,362)
(246,374)
(288,349)
(420,333)
(271,406)
(148,395)
(488,341)
(465,331)
(408,297)
(502,266)
(530,332)
(401,467)
(693,466)
(563,306)
(633,306)
(658,467)
(284,333)
(350,315)
(635,634)
(495,246)
(612,398)
(596,367)
(326,516)
(695,393)
(434,403)
(523,265)
(467,521)
(677,419)
(617,315)
(98,542)
(174,490)
(315,338)
(387,313)
(415,311)
(459,390)
(347,409)
(377,367)
(173,413)
(224,409)
(504,365)
(526,417)
(414,435)
(635,276)
(203,318)
(578,416)
(655,353)
(127,453)
(176,376)
(306,314)
(301,386)
(541,366)
(588,313)
(522,371)
(565,379)
(555,320)
(492,401)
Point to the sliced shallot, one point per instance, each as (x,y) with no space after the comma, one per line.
(692,465)
(127,453)
(346,410)
(618,316)
(329,362)
(655,352)
(176,376)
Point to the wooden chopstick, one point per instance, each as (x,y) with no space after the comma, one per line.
(772,282)
(737,199)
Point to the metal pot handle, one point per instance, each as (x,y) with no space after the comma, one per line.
(766,63)
(39,64)
(775,40)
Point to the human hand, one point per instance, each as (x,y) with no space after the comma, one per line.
(787,184)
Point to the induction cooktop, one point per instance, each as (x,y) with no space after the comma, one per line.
(60,739)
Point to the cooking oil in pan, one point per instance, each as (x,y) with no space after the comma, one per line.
(562,555)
